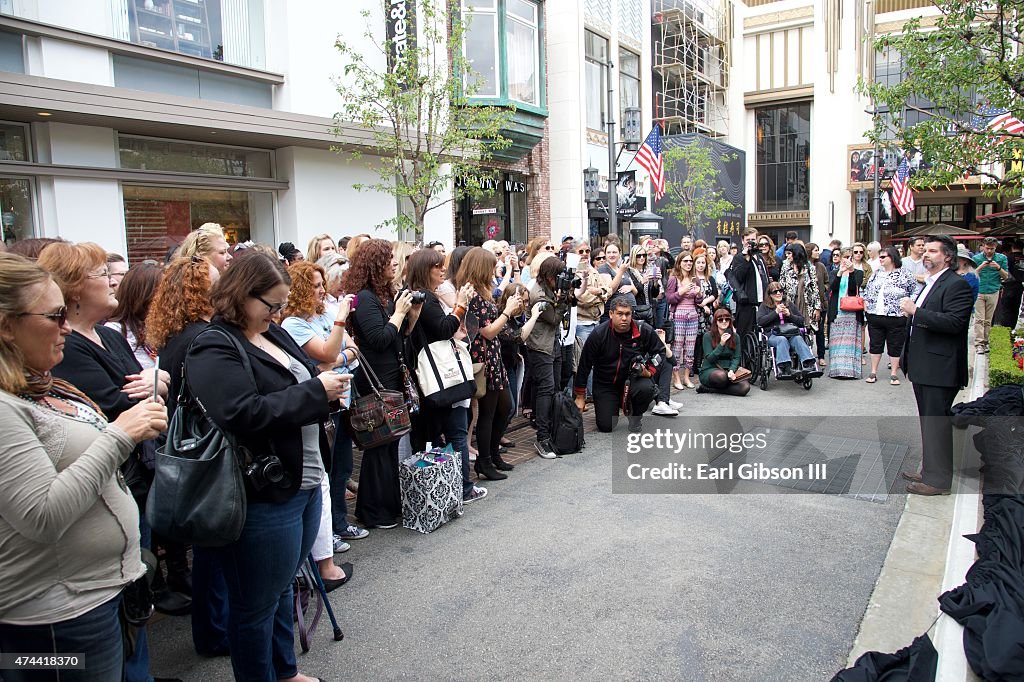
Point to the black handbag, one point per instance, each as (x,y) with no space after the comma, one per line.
(198,491)
(789,329)
(379,418)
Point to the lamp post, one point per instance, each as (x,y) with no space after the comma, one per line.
(876,201)
(613,173)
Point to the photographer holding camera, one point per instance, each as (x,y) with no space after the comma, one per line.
(551,295)
(625,357)
(276,410)
(748,277)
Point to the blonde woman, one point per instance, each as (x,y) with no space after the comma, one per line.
(207,241)
(319,246)
(401,251)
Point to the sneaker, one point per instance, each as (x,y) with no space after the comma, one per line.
(352,532)
(543,448)
(665,410)
(478,493)
(340,545)
(387,526)
(676,406)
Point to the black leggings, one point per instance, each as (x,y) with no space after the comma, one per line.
(495,409)
(718,382)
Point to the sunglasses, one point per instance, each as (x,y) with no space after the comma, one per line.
(598,258)
(723,319)
(858,253)
(60,315)
(762,244)
(549,247)
(274,308)
(686,260)
(883,255)
(583,251)
(775,291)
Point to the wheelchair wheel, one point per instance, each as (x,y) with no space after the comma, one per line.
(751,357)
(807,383)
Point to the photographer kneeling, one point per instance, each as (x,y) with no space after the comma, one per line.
(544,348)
(620,351)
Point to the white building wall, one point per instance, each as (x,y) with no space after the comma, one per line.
(321,198)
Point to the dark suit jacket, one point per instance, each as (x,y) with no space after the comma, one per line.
(267,417)
(935,353)
(746,273)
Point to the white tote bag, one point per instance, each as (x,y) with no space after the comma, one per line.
(444,371)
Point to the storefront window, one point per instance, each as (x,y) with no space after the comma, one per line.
(15,209)
(481,40)
(152,154)
(158,218)
(501,215)
(231,31)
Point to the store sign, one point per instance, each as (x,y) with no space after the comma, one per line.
(400,20)
(492,184)
(484,211)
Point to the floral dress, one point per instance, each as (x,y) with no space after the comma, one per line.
(484,350)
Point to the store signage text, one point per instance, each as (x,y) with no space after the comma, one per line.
(484,211)
(401,31)
(491,185)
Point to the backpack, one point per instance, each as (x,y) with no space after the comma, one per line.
(566,425)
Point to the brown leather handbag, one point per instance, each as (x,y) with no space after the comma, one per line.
(380,417)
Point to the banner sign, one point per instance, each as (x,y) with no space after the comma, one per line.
(400,19)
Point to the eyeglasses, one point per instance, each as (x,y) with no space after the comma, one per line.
(273,307)
(100,275)
(60,315)
(583,251)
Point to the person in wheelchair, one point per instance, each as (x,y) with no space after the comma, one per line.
(783,328)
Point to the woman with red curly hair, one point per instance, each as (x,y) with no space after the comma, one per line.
(322,337)
(181,309)
(379,325)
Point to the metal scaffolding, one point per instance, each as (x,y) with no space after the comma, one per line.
(691,60)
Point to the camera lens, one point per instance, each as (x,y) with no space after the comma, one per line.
(272,470)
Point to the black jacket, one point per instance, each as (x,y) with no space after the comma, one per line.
(746,272)
(97,372)
(266,418)
(853,285)
(768,318)
(172,358)
(379,342)
(935,352)
(433,325)
(611,355)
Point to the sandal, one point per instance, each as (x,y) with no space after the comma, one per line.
(822,363)
(893,381)
(872,378)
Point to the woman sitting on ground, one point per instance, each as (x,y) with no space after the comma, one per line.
(773,316)
(721,358)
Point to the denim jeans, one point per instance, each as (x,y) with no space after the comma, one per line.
(95,634)
(341,471)
(259,568)
(660,312)
(781,344)
(209,603)
(456,431)
(136,666)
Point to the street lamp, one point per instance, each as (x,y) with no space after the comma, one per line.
(876,202)
(591,189)
(631,128)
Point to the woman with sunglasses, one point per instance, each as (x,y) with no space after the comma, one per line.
(69,529)
(766,247)
(845,342)
(721,358)
(647,281)
(772,314)
(684,296)
(275,407)
(886,324)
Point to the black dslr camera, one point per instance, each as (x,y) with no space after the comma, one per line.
(264,471)
(642,365)
(567,281)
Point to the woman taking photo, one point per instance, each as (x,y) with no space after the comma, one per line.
(544,349)
(378,324)
(134,296)
(684,296)
(721,358)
(321,336)
(425,273)
(495,407)
(647,283)
(275,409)
(68,529)
(845,345)
(887,326)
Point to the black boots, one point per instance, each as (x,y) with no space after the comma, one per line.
(485,469)
(501,465)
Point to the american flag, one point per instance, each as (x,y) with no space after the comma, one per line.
(1006,121)
(902,195)
(649,158)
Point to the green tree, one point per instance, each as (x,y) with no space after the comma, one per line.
(954,77)
(692,192)
(428,134)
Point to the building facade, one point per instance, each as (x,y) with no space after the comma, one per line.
(131,122)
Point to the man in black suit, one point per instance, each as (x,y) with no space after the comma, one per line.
(935,360)
(749,277)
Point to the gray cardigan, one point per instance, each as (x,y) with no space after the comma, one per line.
(64,519)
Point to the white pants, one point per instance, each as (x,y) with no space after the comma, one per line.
(323,546)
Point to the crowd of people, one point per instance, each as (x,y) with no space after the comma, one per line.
(94,354)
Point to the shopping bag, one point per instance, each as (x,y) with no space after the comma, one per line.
(431,485)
